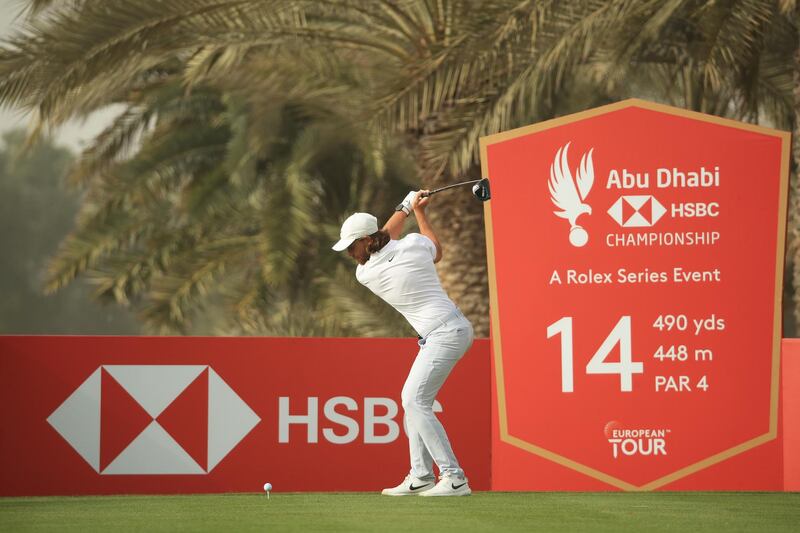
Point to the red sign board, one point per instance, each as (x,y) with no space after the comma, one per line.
(635,256)
(790,418)
(107,415)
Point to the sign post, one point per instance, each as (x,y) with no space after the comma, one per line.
(636,259)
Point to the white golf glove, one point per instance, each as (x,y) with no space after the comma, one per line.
(407,204)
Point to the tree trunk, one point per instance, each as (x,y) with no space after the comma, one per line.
(794,191)
(457,217)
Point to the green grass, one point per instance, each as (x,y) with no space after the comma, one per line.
(488,511)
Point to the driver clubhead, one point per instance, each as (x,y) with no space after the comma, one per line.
(481,190)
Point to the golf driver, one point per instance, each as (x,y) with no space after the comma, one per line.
(480,188)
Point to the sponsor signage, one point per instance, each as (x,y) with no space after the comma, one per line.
(104,415)
(636,259)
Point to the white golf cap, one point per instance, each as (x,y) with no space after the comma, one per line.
(356,226)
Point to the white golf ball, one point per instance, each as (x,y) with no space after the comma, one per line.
(267,487)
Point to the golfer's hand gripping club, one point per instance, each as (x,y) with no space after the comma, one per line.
(406,206)
(422,200)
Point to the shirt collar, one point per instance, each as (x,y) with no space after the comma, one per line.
(391,245)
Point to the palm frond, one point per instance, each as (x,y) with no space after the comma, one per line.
(174,295)
(83,249)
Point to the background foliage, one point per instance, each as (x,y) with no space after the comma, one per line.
(252,128)
(37,212)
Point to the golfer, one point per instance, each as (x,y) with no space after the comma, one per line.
(402,273)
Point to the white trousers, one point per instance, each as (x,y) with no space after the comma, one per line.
(438,354)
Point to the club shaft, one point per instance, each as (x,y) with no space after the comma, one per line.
(440,189)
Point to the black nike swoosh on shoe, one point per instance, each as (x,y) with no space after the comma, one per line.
(456,487)
(412,487)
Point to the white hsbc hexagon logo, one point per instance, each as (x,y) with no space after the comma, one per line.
(641,211)
(153,419)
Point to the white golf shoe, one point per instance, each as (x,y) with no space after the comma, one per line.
(411,486)
(450,486)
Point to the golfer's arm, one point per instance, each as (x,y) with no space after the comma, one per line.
(395,224)
(426,229)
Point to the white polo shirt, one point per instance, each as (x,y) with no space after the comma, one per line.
(404,276)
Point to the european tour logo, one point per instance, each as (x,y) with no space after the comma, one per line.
(627,442)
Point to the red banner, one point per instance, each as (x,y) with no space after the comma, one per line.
(635,254)
(105,415)
(790,394)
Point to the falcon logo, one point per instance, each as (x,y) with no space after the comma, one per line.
(153,419)
(568,195)
(637,211)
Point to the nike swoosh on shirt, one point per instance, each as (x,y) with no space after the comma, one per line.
(390,259)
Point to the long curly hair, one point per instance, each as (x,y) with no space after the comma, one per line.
(378,240)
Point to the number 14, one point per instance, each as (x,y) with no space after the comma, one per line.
(621,334)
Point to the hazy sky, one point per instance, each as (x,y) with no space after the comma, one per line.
(74,134)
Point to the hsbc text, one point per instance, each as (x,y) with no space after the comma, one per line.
(378,419)
(695,210)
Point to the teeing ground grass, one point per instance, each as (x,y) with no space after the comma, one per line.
(483,511)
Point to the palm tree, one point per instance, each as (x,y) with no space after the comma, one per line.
(441,72)
(220,191)
(460,73)
(735,59)
(84,55)
(199,216)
